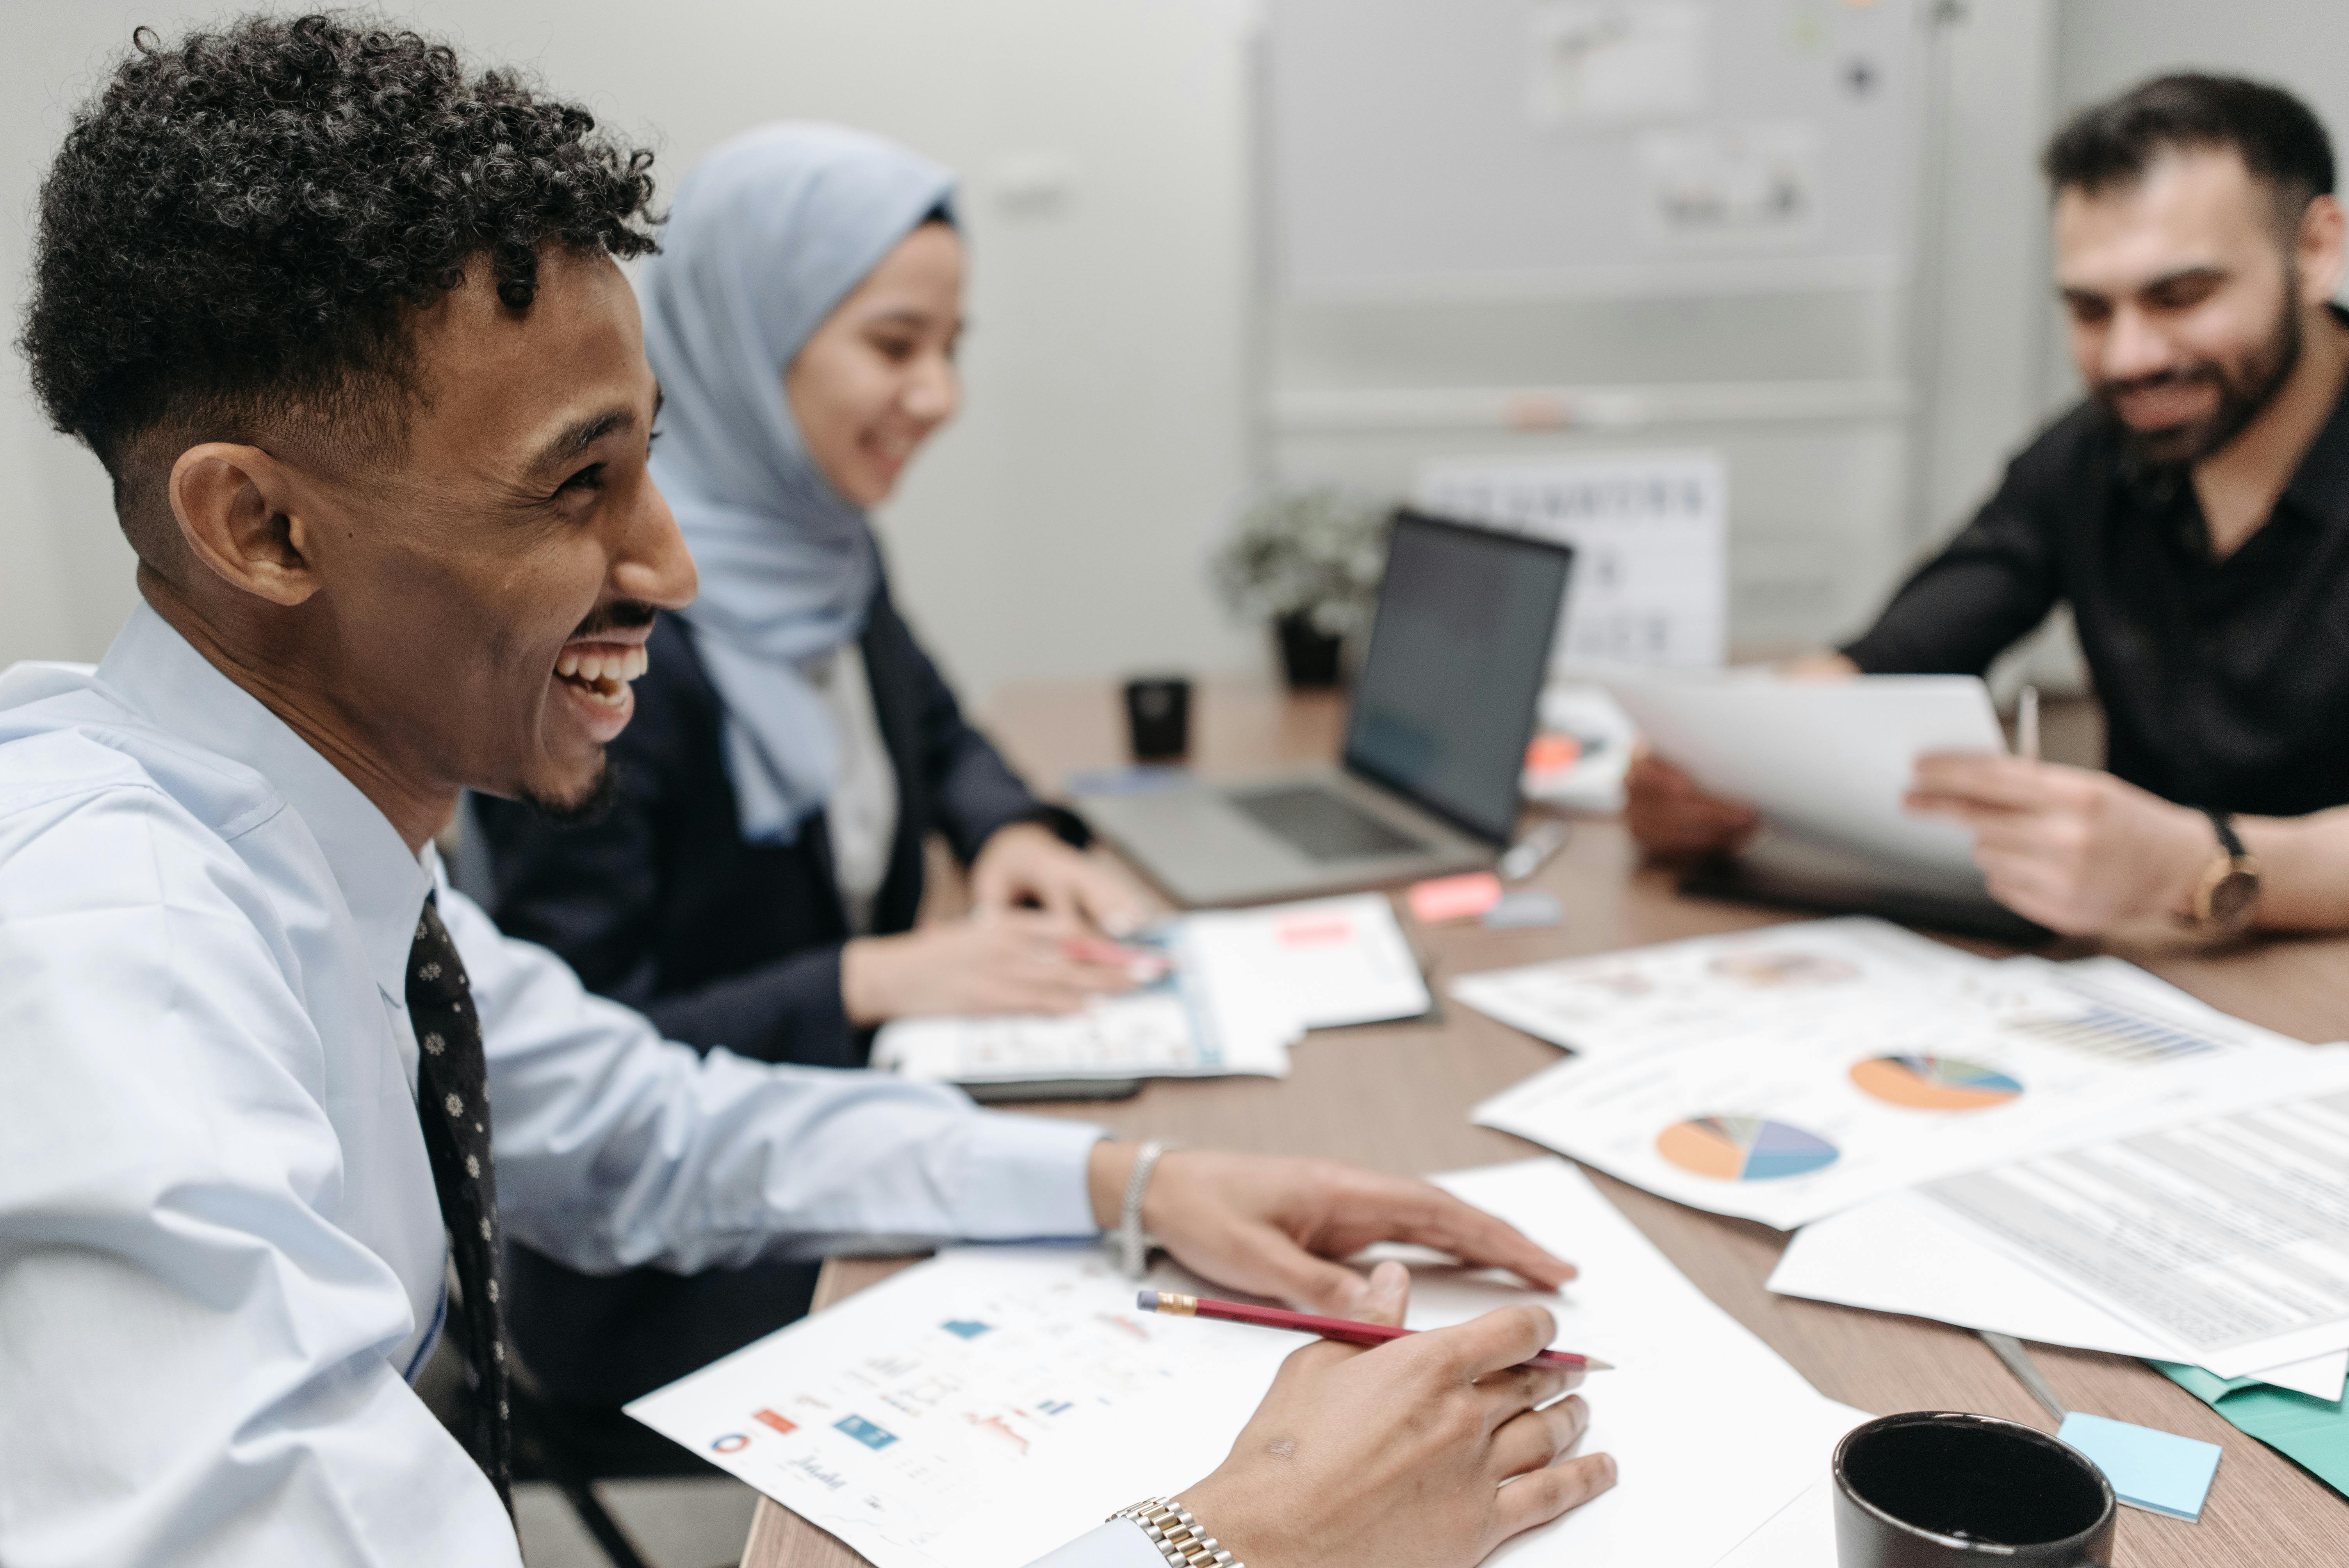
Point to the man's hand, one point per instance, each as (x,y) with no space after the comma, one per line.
(1269,1226)
(1396,1456)
(1024,863)
(1012,961)
(2078,852)
(1668,815)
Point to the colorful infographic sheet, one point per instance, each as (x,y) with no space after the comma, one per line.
(1241,986)
(981,1408)
(1668,994)
(1785,1114)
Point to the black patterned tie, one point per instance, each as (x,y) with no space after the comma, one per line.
(452,1095)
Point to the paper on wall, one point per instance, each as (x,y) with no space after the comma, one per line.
(1719,186)
(977,1410)
(1651,579)
(1613,60)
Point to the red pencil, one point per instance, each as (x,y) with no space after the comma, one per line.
(1326,1327)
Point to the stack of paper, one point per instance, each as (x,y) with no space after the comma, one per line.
(2222,1244)
(980,1410)
(1242,985)
(1784,1075)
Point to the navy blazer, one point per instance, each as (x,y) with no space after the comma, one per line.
(663,906)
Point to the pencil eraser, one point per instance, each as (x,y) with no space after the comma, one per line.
(1147,1300)
(2161,1472)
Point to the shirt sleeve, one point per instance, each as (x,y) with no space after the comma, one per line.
(616,1148)
(194,1358)
(1992,584)
(1120,1543)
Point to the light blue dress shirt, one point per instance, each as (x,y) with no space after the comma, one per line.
(221,1254)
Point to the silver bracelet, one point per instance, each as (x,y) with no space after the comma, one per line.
(1177,1535)
(1133,1246)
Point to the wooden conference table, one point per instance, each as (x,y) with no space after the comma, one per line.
(1396,1097)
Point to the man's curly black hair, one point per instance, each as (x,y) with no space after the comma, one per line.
(237,230)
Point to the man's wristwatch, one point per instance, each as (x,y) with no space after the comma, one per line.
(2226,894)
(1177,1535)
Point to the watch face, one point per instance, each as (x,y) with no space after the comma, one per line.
(2232,898)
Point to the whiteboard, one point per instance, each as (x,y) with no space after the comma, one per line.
(1435,147)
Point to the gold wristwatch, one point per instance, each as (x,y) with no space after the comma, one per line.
(2226,894)
(1177,1535)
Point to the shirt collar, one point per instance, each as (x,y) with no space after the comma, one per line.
(157,673)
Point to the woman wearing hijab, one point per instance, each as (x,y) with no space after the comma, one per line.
(754,878)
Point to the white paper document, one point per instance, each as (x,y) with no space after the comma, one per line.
(1904,1252)
(1332,962)
(2228,1237)
(1242,986)
(980,1410)
(1612,1003)
(1828,761)
(1787,1112)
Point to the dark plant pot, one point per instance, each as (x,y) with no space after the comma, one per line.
(1309,656)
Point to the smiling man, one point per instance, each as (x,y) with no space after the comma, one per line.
(344,324)
(2193,511)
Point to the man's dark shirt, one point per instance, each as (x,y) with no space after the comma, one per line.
(2225,682)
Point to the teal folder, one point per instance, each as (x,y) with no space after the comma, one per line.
(2315,1432)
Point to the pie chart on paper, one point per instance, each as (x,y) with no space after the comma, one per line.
(1934,1083)
(1744,1149)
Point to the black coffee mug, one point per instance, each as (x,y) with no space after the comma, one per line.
(1941,1489)
(1158,716)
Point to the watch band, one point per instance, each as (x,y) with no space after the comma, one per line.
(1133,1246)
(1176,1534)
(2229,840)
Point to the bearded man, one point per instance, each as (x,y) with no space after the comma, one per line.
(2193,511)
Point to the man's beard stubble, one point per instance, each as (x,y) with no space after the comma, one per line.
(585,809)
(2245,390)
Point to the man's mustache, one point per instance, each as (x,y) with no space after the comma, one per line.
(2205,374)
(622,615)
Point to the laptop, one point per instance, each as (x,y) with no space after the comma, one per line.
(1436,739)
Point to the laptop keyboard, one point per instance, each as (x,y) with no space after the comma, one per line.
(1325,825)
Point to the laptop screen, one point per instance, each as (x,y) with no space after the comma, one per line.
(1445,703)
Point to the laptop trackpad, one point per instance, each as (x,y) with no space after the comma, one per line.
(1322,824)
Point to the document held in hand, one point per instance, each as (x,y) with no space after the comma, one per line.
(1828,761)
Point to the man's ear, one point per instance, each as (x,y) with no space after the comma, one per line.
(2320,247)
(238,514)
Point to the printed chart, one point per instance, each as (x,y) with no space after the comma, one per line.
(1786,1113)
(1742,1148)
(1682,991)
(1934,1083)
(984,1407)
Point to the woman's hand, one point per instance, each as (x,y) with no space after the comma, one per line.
(1397,1456)
(1013,960)
(1271,1226)
(1024,863)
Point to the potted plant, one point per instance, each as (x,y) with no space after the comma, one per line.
(1306,558)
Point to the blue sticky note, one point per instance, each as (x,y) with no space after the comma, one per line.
(2159,1471)
(1524,908)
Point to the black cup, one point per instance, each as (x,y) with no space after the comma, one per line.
(1158,716)
(1941,1489)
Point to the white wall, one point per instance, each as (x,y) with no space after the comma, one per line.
(1061,526)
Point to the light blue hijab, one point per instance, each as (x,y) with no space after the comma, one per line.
(767,235)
